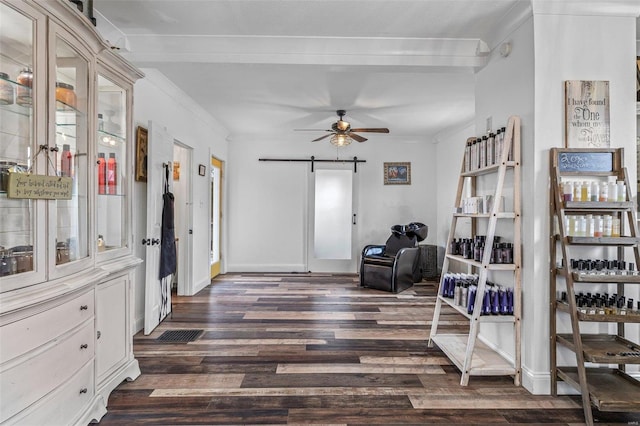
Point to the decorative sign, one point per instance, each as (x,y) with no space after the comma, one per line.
(39,187)
(585,161)
(587,114)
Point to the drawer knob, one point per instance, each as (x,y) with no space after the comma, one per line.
(99,334)
(84,307)
(84,346)
(83,390)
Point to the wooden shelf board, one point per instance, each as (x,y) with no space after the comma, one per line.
(609,389)
(490,266)
(597,205)
(596,346)
(500,215)
(483,318)
(487,170)
(603,241)
(484,362)
(610,279)
(629,318)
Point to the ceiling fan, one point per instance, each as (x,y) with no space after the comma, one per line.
(341,132)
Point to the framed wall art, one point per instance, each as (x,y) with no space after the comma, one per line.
(142,146)
(587,114)
(397,173)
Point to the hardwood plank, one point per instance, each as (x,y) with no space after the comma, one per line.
(316,348)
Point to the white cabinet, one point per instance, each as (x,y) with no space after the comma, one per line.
(66,260)
(114,352)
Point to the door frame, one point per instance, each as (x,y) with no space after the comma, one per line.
(185,233)
(215,162)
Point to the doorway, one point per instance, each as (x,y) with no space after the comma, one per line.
(215,215)
(332,220)
(183,207)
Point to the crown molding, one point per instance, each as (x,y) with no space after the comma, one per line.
(511,21)
(587,7)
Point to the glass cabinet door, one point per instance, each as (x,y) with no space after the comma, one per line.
(111,172)
(70,153)
(17,126)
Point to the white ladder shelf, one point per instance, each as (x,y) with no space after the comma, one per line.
(466,351)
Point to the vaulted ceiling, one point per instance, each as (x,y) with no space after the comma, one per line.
(266,67)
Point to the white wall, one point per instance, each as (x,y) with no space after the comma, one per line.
(504,88)
(570,48)
(268,200)
(449,152)
(157,99)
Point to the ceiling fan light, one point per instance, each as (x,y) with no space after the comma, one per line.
(340,140)
(342,125)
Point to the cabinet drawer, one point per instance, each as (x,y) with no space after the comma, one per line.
(24,335)
(64,403)
(25,383)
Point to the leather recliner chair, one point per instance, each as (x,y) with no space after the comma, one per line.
(395,266)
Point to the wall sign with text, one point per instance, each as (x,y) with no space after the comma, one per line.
(39,187)
(587,114)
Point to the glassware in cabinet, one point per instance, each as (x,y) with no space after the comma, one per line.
(70,153)
(111,171)
(18,224)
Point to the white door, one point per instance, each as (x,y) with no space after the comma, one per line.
(157,299)
(332,220)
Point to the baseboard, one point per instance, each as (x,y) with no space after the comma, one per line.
(199,286)
(252,267)
(138,324)
(538,383)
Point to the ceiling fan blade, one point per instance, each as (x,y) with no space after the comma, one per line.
(372,130)
(322,137)
(356,137)
(312,130)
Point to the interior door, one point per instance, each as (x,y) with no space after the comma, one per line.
(332,220)
(216,215)
(159,153)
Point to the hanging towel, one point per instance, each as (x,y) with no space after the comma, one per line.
(168,240)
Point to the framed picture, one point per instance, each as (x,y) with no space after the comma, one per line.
(142,146)
(176,170)
(202,169)
(586,114)
(397,173)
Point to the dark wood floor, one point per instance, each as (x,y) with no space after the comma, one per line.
(317,349)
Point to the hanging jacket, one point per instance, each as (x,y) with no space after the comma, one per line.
(168,239)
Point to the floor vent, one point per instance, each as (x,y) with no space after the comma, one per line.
(180,335)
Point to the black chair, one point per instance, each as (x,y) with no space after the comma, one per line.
(395,266)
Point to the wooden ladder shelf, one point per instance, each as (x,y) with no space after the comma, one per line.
(608,389)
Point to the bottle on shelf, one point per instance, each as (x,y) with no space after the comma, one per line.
(66,161)
(23,91)
(112,174)
(102,174)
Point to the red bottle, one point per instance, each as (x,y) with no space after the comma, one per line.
(112,179)
(102,174)
(65,161)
